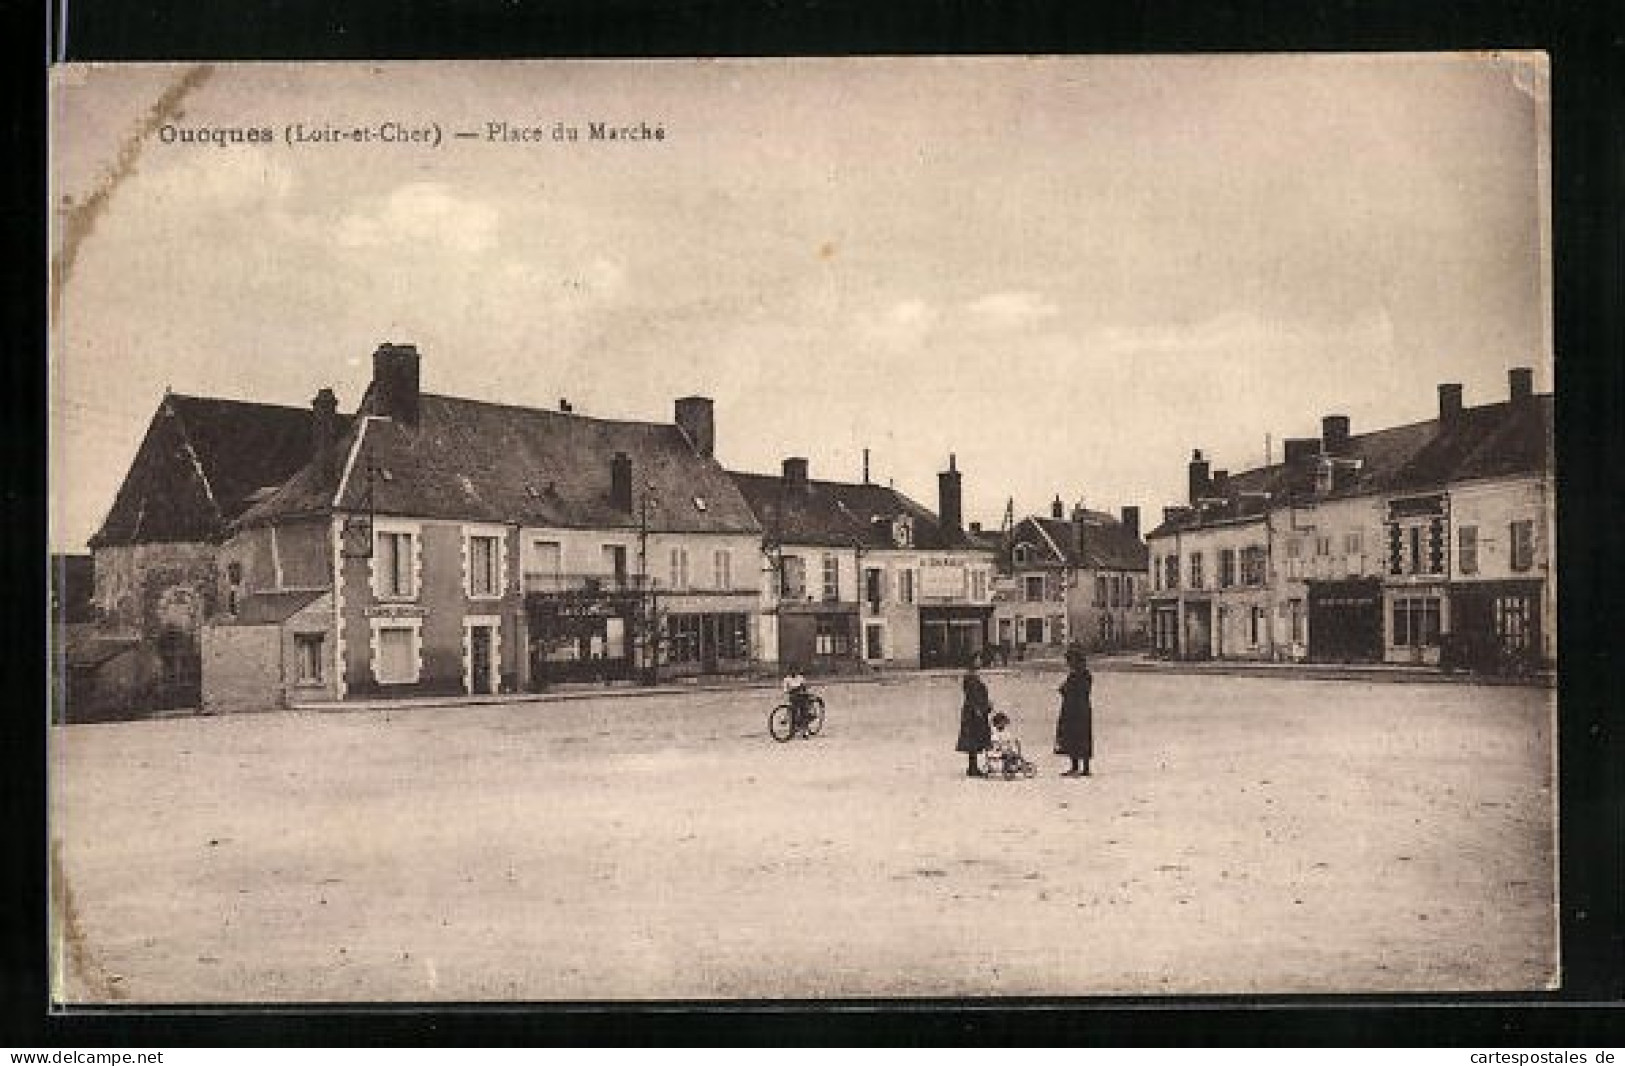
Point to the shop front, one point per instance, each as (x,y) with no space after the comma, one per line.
(1165,628)
(819,638)
(1495,627)
(1345,621)
(581,637)
(949,636)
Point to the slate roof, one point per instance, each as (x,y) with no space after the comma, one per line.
(1107,543)
(1495,440)
(471,460)
(198,465)
(272,608)
(841,514)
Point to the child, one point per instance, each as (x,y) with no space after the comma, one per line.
(795,687)
(1004,753)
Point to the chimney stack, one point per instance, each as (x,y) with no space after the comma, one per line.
(948,496)
(866,466)
(1219,485)
(324,434)
(620,482)
(1300,449)
(1449,403)
(795,473)
(696,418)
(1521,383)
(564,406)
(395,376)
(1334,434)
(1198,480)
(1131,521)
(1057,509)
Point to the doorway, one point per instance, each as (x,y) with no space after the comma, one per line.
(481,675)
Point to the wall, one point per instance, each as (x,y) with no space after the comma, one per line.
(242,668)
(142,592)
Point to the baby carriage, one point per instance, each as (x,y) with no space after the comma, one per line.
(1003,758)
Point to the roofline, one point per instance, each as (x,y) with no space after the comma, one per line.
(544,411)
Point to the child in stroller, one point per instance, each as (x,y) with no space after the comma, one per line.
(1003,757)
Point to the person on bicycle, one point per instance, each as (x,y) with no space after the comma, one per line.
(795,687)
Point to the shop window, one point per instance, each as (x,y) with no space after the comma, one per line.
(397,662)
(1416,621)
(308,658)
(683,638)
(832,637)
(1467,549)
(1523,545)
(1512,622)
(733,637)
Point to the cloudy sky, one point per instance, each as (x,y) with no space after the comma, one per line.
(1069,272)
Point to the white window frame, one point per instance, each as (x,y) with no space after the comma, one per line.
(395,527)
(905,585)
(722,568)
(678,571)
(415,627)
(300,642)
(500,535)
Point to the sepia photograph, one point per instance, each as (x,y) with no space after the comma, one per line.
(822,530)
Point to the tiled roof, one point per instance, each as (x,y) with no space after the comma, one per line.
(841,514)
(477,461)
(199,464)
(1495,440)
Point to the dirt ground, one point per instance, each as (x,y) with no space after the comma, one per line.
(1241,835)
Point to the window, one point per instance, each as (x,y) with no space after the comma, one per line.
(679,568)
(872,585)
(832,578)
(1294,548)
(683,637)
(905,586)
(397,658)
(307,651)
(484,553)
(1467,549)
(1252,565)
(733,636)
(832,637)
(874,642)
(1023,553)
(1173,572)
(1353,543)
(1416,621)
(234,577)
(1100,590)
(393,565)
(1035,631)
(793,578)
(1323,546)
(546,561)
(1227,568)
(1196,570)
(615,562)
(1156,571)
(978,584)
(1413,550)
(1523,545)
(1512,622)
(1255,625)
(1295,609)
(1034,585)
(722,568)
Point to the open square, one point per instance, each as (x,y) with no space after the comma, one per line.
(1240,835)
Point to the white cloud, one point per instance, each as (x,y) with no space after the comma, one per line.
(1008,310)
(425,216)
(903,325)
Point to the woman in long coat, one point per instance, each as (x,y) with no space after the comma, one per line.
(1075,729)
(975,734)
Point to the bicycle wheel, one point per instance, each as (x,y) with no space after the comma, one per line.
(815,716)
(778,723)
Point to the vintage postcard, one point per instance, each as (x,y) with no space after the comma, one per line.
(816,529)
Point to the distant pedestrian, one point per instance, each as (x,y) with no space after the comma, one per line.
(975,734)
(1074,729)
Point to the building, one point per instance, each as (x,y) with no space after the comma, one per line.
(1079,579)
(1425,543)
(200,466)
(439,545)
(861,575)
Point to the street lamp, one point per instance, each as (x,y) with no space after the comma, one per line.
(650,621)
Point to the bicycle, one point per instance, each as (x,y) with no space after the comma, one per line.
(783,722)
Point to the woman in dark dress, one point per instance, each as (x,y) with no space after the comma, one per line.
(1074,730)
(975,734)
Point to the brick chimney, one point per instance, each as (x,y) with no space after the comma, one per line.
(1300,449)
(1057,509)
(1131,521)
(1334,434)
(620,482)
(324,433)
(1449,403)
(948,497)
(1198,479)
(696,418)
(795,473)
(1521,383)
(395,391)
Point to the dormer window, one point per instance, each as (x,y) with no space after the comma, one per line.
(699,503)
(1023,553)
(902,531)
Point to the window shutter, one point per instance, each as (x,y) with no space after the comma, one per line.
(1396,558)
(1436,546)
